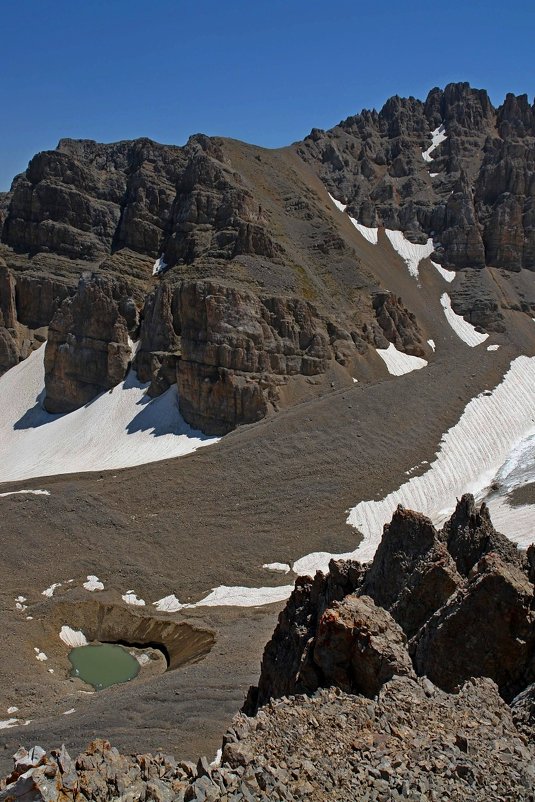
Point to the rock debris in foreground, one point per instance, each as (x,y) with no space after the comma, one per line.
(413,742)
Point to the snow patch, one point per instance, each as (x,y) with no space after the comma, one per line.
(282,568)
(492,347)
(462,329)
(41,656)
(159,266)
(93,583)
(431,344)
(339,205)
(169,604)
(437,136)
(120,428)
(49,592)
(11,722)
(411,253)
(11,710)
(225,596)
(142,659)
(399,363)
(68,712)
(72,637)
(217,759)
(448,275)
(130,598)
(33,492)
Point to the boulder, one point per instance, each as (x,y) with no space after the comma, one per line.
(469,535)
(359,646)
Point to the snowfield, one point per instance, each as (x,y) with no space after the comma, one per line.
(472,453)
(371,234)
(118,429)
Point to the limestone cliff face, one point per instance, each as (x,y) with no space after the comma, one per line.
(88,350)
(259,283)
(236,349)
(231,350)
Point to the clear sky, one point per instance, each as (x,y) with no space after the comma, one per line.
(265,71)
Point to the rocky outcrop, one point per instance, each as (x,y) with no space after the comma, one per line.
(38,299)
(9,350)
(159,347)
(463,596)
(85,200)
(398,324)
(477,205)
(470,535)
(287,664)
(88,349)
(412,574)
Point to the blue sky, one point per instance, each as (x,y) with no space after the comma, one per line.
(265,71)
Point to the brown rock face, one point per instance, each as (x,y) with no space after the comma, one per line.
(359,646)
(8,307)
(412,573)
(237,348)
(159,346)
(470,535)
(38,298)
(288,666)
(87,349)
(399,326)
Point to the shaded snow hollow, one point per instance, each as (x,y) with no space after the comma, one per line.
(35,443)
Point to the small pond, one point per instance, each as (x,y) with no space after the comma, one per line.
(103,664)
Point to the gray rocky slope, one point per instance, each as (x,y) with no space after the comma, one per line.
(409,678)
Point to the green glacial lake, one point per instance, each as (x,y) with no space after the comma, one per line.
(103,664)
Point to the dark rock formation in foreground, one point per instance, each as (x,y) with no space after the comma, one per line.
(462,598)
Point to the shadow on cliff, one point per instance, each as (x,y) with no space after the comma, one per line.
(159,415)
(128,405)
